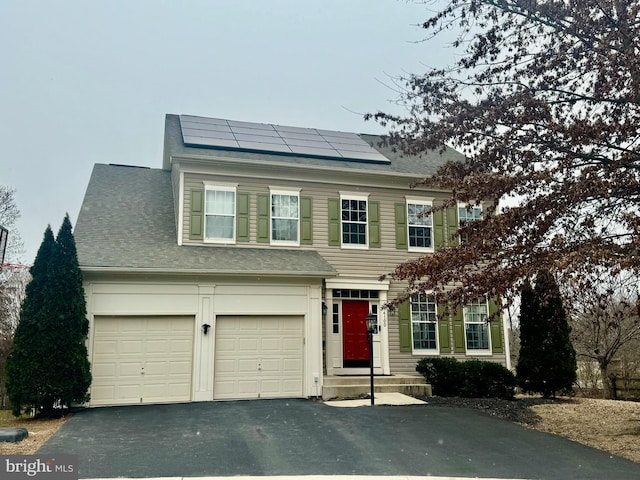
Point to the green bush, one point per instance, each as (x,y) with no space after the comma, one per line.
(472,379)
(444,374)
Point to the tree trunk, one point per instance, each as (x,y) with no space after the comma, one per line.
(607,390)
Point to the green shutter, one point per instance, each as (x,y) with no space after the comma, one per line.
(458,331)
(334,222)
(443,331)
(374,225)
(242,217)
(306,221)
(404,319)
(401,226)
(497,344)
(438,229)
(196,218)
(452,223)
(263,217)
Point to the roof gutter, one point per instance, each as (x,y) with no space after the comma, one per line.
(182,271)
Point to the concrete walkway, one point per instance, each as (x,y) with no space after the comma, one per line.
(392,398)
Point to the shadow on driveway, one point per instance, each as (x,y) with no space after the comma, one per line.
(301,437)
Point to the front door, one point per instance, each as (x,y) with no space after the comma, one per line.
(355,343)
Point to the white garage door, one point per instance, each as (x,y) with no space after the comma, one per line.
(142,360)
(258,357)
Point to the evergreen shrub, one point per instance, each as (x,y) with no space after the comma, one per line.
(471,379)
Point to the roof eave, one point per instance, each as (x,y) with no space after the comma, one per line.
(182,271)
(206,159)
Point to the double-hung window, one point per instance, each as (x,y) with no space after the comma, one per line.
(285,217)
(220,213)
(424,323)
(353,211)
(420,225)
(476,326)
(466,214)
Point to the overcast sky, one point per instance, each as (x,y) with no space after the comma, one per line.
(85,82)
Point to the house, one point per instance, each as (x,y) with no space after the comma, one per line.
(245,266)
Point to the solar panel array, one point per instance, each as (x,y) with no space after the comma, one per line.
(264,137)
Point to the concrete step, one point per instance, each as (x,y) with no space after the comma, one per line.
(357,386)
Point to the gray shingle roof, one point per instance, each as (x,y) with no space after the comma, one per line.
(417,166)
(127,222)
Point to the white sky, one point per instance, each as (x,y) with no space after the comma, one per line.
(85,82)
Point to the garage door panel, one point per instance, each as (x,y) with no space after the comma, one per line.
(129,369)
(181,345)
(249,387)
(132,325)
(247,344)
(271,344)
(247,365)
(107,370)
(265,360)
(291,365)
(142,360)
(104,347)
(130,346)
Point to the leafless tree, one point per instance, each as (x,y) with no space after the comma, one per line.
(9,215)
(13,282)
(543,98)
(605,319)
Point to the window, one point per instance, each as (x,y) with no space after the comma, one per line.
(220,214)
(362,294)
(336,318)
(354,221)
(468,214)
(285,216)
(476,325)
(424,319)
(419,220)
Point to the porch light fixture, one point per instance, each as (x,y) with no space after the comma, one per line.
(324,309)
(205,328)
(372,323)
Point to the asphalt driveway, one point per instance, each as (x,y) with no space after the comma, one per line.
(301,437)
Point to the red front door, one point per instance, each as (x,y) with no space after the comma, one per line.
(355,343)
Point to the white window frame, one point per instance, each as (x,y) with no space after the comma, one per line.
(289,193)
(424,351)
(425,203)
(466,206)
(216,187)
(484,323)
(359,198)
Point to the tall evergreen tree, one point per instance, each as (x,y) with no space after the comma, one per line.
(70,373)
(26,365)
(48,367)
(547,362)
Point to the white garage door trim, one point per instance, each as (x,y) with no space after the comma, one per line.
(258,357)
(141,360)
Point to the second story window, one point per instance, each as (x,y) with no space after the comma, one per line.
(220,214)
(285,215)
(420,224)
(354,220)
(468,214)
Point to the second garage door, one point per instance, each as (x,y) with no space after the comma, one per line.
(258,357)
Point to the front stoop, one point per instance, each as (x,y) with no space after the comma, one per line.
(358,385)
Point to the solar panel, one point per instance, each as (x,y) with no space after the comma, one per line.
(263,137)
